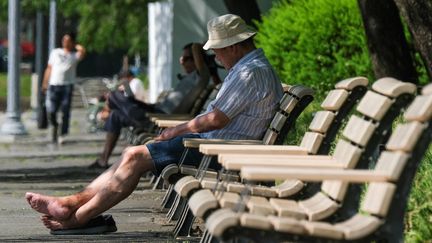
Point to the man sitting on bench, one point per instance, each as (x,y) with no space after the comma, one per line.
(242,110)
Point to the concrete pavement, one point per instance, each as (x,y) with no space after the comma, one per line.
(30,163)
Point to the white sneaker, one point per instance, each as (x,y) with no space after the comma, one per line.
(61,140)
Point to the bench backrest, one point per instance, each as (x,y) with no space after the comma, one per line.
(293,102)
(201,103)
(384,204)
(336,107)
(362,135)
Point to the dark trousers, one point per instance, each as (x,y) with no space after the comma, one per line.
(59,97)
(126,111)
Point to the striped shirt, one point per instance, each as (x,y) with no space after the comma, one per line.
(248,97)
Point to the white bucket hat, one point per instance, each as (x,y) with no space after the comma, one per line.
(227,30)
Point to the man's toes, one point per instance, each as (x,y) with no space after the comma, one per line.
(54,225)
(50,224)
(46,217)
(29,196)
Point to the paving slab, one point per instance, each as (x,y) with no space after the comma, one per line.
(28,163)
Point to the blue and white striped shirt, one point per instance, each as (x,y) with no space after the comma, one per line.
(249,97)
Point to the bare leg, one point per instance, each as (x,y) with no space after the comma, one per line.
(135,162)
(63,207)
(110,143)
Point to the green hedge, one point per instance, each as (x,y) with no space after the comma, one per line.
(315,42)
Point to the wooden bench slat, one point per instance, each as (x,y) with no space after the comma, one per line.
(351,83)
(313,174)
(392,87)
(374,105)
(215,149)
(359,130)
(420,109)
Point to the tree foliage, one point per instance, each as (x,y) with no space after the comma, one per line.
(103,24)
(28,7)
(110,24)
(315,42)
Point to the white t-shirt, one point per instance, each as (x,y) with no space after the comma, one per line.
(137,89)
(63,66)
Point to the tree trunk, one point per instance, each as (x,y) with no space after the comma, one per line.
(418,15)
(247,9)
(387,45)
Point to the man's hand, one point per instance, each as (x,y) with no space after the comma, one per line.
(167,134)
(44,88)
(81,51)
(213,120)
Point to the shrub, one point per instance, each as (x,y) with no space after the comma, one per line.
(315,42)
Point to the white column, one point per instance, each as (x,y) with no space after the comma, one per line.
(160,24)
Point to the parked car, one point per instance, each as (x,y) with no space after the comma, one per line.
(27,53)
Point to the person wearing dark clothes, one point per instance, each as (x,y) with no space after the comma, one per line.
(127,110)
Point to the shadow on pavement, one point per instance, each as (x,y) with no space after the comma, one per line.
(113,237)
(57,174)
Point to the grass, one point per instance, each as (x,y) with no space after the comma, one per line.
(25,85)
(418,220)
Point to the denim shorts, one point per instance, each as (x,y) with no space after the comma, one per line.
(169,152)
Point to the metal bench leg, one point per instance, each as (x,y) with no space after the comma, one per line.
(185,223)
(179,209)
(158,183)
(169,197)
(173,207)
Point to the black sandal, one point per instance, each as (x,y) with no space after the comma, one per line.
(102,224)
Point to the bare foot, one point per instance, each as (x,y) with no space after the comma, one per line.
(56,224)
(47,205)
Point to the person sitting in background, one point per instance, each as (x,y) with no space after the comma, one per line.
(131,87)
(132,112)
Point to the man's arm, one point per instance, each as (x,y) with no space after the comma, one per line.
(211,121)
(197,53)
(81,51)
(47,75)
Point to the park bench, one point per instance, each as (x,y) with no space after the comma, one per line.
(304,95)
(163,123)
(380,217)
(291,106)
(337,106)
(378,108)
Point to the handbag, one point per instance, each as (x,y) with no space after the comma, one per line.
(42,119)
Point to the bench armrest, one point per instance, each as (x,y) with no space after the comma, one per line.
(294,162)
(261,173)
(271,158)
(196,142)
(169,123)
(215,149)
(156,117)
